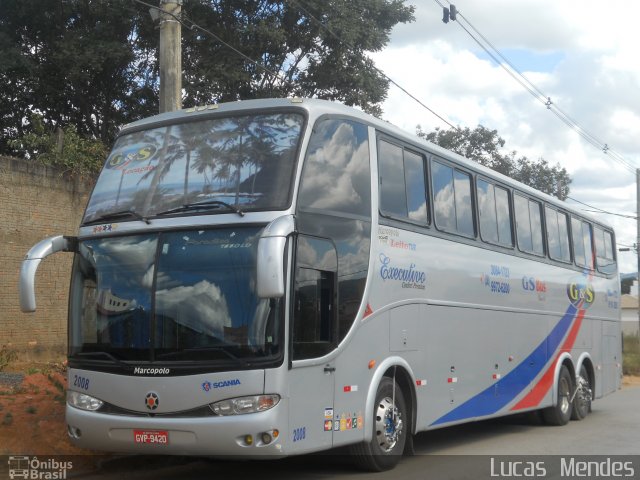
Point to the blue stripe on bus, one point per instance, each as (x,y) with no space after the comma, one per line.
(512,384)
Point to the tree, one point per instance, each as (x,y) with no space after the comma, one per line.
(93,63)
(74,62)
(62,148)
(485,147)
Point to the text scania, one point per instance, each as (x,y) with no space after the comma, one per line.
(206,386)
(410,277)
(151,371)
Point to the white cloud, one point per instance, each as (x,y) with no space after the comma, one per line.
(201,307)
(595,80)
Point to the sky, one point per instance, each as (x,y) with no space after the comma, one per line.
(580,53)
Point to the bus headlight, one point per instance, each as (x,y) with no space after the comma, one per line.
(242,405)
(83,401)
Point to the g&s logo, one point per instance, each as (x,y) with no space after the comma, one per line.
(581,294)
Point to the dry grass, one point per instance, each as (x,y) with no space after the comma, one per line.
(631,355)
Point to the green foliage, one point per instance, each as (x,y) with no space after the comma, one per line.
(31,410)
(631,355)
(7,356)
(317,46)
(92,64)
(74,62)
(485,147)
(62,148)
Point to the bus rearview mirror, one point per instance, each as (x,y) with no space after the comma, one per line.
(36,254)
(270,258)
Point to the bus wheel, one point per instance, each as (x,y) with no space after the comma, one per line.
(383,452)
(560,414)
(583,396)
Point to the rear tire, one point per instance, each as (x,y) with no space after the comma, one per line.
(560,414)
(390,426)
(582,400)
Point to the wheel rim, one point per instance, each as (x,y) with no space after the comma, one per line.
(563,394)
(584,393)
(388,424)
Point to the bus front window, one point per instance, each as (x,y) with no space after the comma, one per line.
(174,296)
(244,161)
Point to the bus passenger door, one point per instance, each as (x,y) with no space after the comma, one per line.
(313,336)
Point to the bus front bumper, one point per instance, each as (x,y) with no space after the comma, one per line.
(223,436)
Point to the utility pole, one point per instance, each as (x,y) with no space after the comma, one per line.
(170,56)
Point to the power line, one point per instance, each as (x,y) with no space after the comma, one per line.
(192,25)
(600,210)
(353,49)
(506,65)
(182,19)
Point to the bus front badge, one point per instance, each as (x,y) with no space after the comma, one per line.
(152,401)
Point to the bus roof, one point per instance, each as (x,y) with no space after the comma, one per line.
(316,108)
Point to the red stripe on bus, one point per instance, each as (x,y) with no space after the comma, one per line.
(535,396)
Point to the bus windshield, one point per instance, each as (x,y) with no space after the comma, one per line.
(244,161)
(179,295)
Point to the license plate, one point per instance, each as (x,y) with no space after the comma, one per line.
(151,436)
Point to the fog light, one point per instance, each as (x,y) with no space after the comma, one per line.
(74,432)
(248,439)
(266,438)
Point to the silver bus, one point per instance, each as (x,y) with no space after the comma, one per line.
(278,277)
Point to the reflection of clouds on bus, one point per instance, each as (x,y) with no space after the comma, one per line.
(445,207)
(338,171)
(201,307)
(131,250)
(311,255)
(134,252)
(355,263)
(464,216)
(420,213)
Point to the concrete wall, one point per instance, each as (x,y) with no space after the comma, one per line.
(36,202)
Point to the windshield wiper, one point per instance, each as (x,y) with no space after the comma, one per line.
(207,204)
(101,354)
(115,215)
(179,353)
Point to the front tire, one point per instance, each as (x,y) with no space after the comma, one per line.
(560,414)
(390,426)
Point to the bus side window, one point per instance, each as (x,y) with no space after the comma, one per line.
(336,177)
(453,209)
(528,225)
(402,183)
(494,212)
(393,200)
(582,245)
(503,210)
(604,251)
(314,312)
(415,187)
(557,235)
